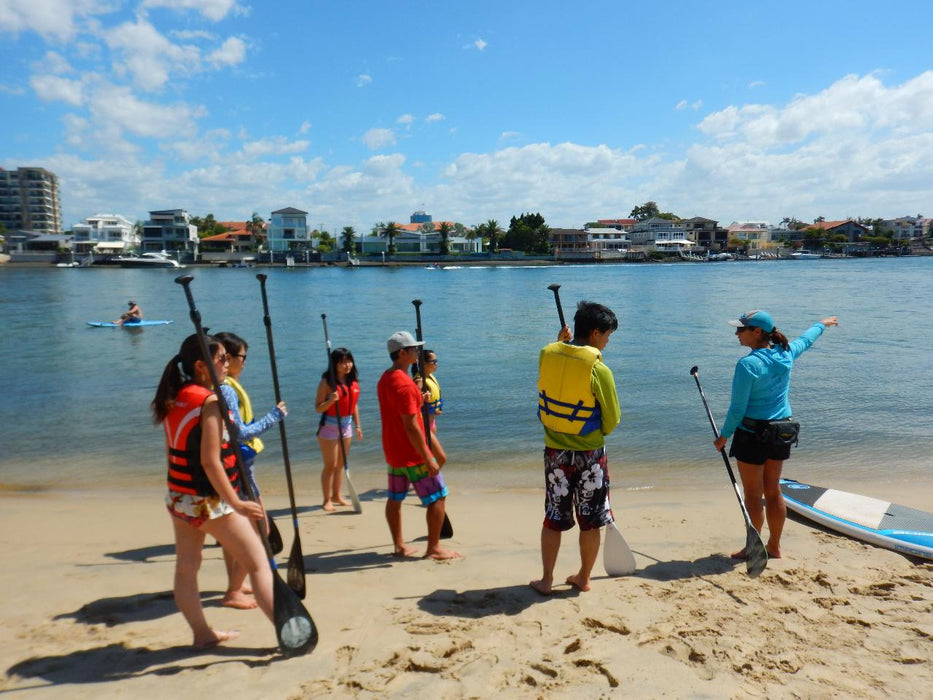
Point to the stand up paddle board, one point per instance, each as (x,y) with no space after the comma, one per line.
(110,324)
(871,520)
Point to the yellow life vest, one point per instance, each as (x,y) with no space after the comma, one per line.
(435,402)
(565,399)
(246,412)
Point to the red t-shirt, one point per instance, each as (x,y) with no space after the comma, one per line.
(398,396)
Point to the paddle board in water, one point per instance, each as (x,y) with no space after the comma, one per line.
(110,324)
(871,520)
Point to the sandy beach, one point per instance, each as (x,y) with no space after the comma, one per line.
(88,612)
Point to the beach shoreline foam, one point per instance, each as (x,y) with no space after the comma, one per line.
(88,612)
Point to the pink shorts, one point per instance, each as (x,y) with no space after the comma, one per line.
(330,431)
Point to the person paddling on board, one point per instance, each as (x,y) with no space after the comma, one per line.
(133,315)
(578,406)
(410,461)
(760,388)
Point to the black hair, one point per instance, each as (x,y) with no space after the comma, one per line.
(178,372)
(234,344)
(338,355)
(590,317)
(414,367)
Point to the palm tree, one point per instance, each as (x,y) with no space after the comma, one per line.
(348,237)
(388,231)
(444,230)
(491,232)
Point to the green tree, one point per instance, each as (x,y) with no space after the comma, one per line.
(348,239)
(388,231)
(445,230)
(325,242)
(528,233)
(491,232)
(645,211)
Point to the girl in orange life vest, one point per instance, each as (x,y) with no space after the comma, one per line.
(203,496)
(343,397)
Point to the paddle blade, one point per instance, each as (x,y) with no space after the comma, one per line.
(757,555)
(618,559)
(294,628)
(275,537)
(447,530)
(296,568)
(357,506)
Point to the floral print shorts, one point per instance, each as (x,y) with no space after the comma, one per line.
(576,482)
(196,510)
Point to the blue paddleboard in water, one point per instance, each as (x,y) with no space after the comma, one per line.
(110,324)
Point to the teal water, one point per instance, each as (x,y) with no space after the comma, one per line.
(75,398)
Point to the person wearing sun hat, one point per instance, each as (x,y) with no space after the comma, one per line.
(760,387)
(409,459)
(132,315)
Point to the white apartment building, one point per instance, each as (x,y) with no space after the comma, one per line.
(104,233)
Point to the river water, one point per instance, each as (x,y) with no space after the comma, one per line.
(75,408)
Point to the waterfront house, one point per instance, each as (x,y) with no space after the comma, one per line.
(287,231)
(706,233)
(656,229)
(104,233)
(588,243)
(852,230)
(170,230)
(754,236)
(238,238)
(29,201)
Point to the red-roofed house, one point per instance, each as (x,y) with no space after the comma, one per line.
(238,238)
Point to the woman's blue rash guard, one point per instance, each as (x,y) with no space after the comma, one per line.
(762,380)
(247,431)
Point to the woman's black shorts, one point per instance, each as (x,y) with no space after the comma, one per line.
(746,447)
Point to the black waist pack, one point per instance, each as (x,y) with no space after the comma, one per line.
(775,432)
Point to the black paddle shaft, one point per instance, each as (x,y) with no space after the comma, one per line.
(447,530)
(296,570)
(560,311)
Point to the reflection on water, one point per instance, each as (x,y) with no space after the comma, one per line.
(75,408)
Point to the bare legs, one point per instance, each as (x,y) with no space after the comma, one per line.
(237,536)
(763,481)
(332,472)
(550,545)
(435,518)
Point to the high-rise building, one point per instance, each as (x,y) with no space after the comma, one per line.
(29,201)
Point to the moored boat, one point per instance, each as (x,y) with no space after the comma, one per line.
(146,260)
(805,255)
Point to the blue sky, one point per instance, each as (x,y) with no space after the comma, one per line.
(360,112)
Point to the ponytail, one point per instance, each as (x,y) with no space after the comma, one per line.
(778,338)
(178,372)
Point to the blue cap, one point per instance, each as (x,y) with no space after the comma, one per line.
(757,319)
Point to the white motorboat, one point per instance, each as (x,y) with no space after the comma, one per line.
(806,255)
(147,260)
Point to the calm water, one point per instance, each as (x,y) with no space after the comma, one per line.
(75,398)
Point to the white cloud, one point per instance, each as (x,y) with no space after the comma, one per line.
(305,127)
(117,107)
(11,90)
(681,105)
(756,84)
(230,53)
(53,88)
(379,138)
(51,19)
(214,10)
(436,117)
(509,135)
(406,119)
(363,80)
(480,44)
(275,145)
(148,56)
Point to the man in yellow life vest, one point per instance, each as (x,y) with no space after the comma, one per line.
(578,406)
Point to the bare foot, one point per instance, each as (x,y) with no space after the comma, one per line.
(404,552)
(577,582)
(238,600)
(541,587)
(774,552)
(328,506)
(341,501)
(442,554)
(740,555)
(216,637)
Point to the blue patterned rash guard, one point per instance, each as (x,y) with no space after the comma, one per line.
(761,382)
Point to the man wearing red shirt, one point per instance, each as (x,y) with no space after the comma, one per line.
(409,459)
